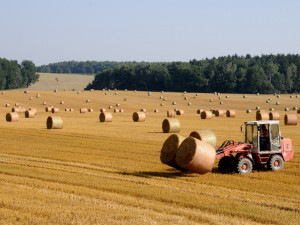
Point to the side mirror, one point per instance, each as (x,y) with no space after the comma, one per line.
(241,128)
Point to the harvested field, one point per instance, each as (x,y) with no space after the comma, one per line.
(110,173)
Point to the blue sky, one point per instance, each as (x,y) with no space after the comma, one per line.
(47,31)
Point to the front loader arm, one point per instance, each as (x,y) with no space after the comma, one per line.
(230,147)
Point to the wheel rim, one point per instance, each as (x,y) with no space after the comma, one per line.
(276,163)
(244,166)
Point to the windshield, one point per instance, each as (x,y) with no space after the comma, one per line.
(251,136)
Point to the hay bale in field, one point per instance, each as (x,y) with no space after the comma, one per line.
(90,110)
(116,93)
(298,111)
(16,104)
(44,103)
(29,114)
(171,113)
(199,111)
(121,110)
(105,117)
(179,112)
(143,110)
(227,96)
(286,109)
(171,125)
(117,105)
(110,107)
(156,110)
(161,97)
(291,96)
(248,111)
(165,99)
(78,92)
(278,96)
(34,110)
(291,119)
(195,155)
(244,96)
(271,109)
(48,109)
(257,93)
(106,93)
(174,103)
(197,94)
(116,110)
(277,103)
(257,108)
(221,103)
(7,105)
(205,135)
(54,122)
(83,110)
(149,93)
(87,100)
(67,109)
(3,92)
(206,115)
(230,113)
(102,110)
(219,113)
(38,95)
(26,92)
(12,117)
(71,110)
(268,101)
(274,116)
(139,117)
(31,98)
(189,104)
(262,115)
(295,108)
(297,96)
(162,104)
(211,100)
(186,98)
(55,110)
(62,102)
(220,97)
(18,109)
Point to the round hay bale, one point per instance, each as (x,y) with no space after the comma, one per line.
(16,104)
(244,96)
(34,110)
(189,104)
(110,107)
(199,111)
(48,109)
(26,92)
(122,110)
(156,110)
(278,96)
(29,114)
(165,99)
(262,115)
(171,125)
(106,93)
(171,113)
(78,92)
(117,105)
(220,97)
(18,109)
(277,103)
(195,155)
(90,110)
(44,103)
(295,108)
(174,103)
(206,115)
(298,111)
(105,117)
(230,113)
(83,110)
(219,113)
(205,135)
(274,116)
(179,112)
(116,93)
(12,117)
(3,92)
(143,110)
(149,93)
(271,109)
(291,119)
(56,90)
(291,96)
(116,110)
(67,109)
(162,104)
(161,97)
(139,117)
(87,101)
(248,111)
(221,103)
(257,93)
(197,94)
(215,93)
(227,96)
(211,100)
(71,110)
(186,98)
(38,95)
(54,122)
(102,110)
(7,105)
(286,109)
(297,96)
(268,101)
(31,98)
(54,110)
(257,108)
(62,102)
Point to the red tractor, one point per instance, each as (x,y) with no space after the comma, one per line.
(263,147)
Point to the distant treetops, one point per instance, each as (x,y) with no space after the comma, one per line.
(14,75)
(228,74)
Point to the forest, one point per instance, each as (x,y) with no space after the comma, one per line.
(81,67)
(14,75)
(229,74)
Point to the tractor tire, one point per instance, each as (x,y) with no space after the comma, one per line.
(225,164)
(275,163)
(244,166)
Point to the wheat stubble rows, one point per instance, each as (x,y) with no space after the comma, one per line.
(110,173)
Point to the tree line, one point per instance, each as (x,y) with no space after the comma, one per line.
(81,67)
(229,74)
(14,75)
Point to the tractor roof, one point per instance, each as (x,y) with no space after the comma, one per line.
(261,122)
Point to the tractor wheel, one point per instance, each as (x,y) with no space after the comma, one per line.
(244,166)
(224,165)
(276,163)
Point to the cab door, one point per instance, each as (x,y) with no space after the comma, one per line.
(275,137)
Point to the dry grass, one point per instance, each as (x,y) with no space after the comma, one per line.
(110,173)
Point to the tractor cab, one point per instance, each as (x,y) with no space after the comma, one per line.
(264,135)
